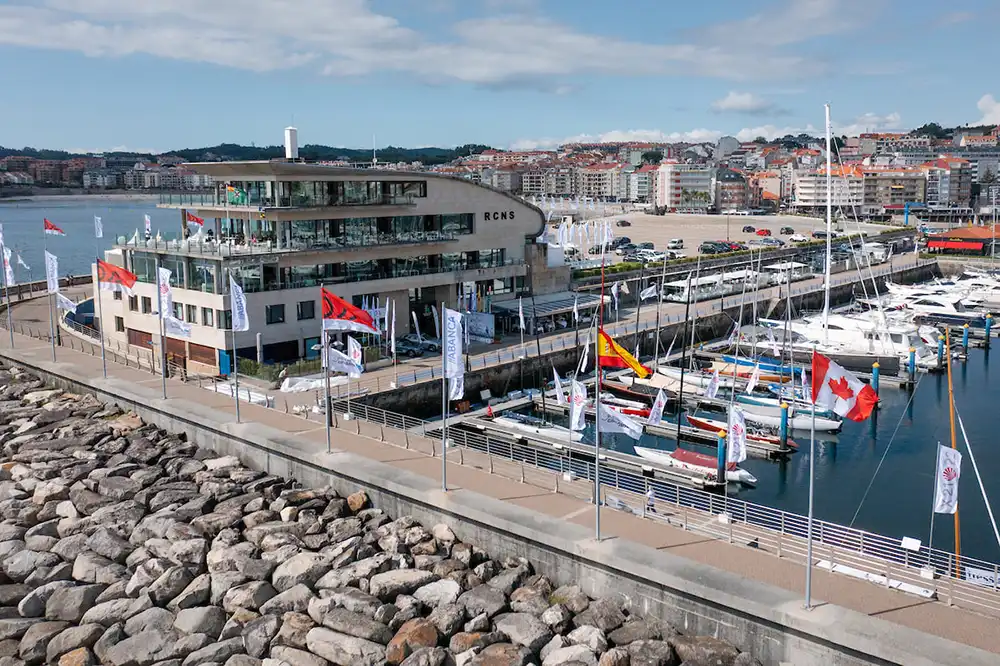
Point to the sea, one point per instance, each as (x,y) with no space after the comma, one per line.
(877,475)
(22,229)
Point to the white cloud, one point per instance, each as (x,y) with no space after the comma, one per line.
(348,37)
(954,18)
(868,122)
(748,103)
(990,108)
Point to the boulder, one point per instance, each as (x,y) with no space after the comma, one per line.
(651,653)
(635,630)
(216,652)
(109,544)
(109,612)
(344,649)
(557,643)
(70,639)
(70,603)
(413,635)
(354,600)
(483,599)
(354,624)
(578,655)
(590,636)
(249,595)
(207,620)
(448,619)
(572,597)
(295,599)
(295,657)
(304,569)
(33,602)
(603,614)
(615,657)
(557,617)
(503,654)
(197,592)
(79,657)
(704,650)
(390,584)
(745,659)
(438,593)
(294,627)
(33,645)
(524,629)
(257,634)
(465,641)
(171,582)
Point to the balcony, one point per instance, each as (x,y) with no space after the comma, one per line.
(218,200)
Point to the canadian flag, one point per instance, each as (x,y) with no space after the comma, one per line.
(837,389)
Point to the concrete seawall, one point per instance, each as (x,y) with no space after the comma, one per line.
(767,621)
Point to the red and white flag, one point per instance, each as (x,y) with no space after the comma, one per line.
(837,389)
(194,219)
(339,315)
(114,278)
(52,229)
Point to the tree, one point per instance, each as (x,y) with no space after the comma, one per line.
(760,139)
(652,156)
(988,177)
(933,130)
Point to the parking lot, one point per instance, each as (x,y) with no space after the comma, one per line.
(695,229)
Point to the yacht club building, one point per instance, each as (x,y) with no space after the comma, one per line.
(283,228)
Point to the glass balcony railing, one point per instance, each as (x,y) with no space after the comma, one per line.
(218,200)
(374,274)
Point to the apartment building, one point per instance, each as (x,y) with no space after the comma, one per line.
(599,181)
(731,191)
(684,187)
(948,183)
(809,189)
(892,187)
(368,235)
(640,183)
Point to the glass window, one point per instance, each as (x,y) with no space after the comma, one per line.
(147,305)
(119,324)
(133,302)
(275,314)
(178,311)
(202,277)
(224,319)
(207,317)
(176,267)
(117,295)
(144,267)
(192,314)
(306,310)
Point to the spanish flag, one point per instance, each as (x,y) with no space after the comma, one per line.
(611,355)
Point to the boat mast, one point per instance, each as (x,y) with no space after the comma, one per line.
(951,418)
(680,392)
(659,300)
(694,324)
(829,229)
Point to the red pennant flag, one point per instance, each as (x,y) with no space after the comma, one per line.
(114,278)
(52,229)
(194,219)
(339,315)
(489,411)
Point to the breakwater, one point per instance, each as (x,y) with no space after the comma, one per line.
(767,622)
(126,545)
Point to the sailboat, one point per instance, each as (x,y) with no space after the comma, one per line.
(693,461)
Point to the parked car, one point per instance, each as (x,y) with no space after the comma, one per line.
(646,246)
(797,238)
(674,254)
(675,244)
(623,223)
(618,242)
(763,232)
(734,246)
(432,345)
(411,349)
(772,242)
(787,230)
(628,248)
(822,234)
(715,247)
(749,229)
(632,258)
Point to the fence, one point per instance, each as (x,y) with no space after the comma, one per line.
(962,581)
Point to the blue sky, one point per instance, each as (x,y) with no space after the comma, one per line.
(156,75)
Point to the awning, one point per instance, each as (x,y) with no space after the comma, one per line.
(956,245)
(549,304)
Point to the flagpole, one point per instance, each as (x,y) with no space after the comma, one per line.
(6,293)
(444,405)
(52,325)
(100,315)
(597,415)
(659,300)
(951,416)
(327,406)
(236,364)
(638,307)
(812,479)
(680,393)
(163,336)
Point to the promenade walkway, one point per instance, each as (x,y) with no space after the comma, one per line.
(502,480)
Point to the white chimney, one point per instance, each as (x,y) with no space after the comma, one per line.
(291,143)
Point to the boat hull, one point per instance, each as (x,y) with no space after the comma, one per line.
(695,462)
(711,425)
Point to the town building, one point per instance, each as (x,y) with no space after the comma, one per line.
(599,181)
(949,183)
(893,187)
(810,189)
(283,228)
(684,187)
(731,192)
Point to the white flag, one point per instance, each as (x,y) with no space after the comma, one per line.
(437,322)
(98,227)
(456,387)
(612,421)
(576,310)
(166,303)
(451,347)
(625,289)
(64,303)
(356,354)
(754,377)
(648,292)
(949,468)
(20,262)
(656,413)
(385,316)
(578,400)
(1,235)
(560,396)
(51,272)
(614,296)
(586,353)
(149,225)
(392,329)
(806,387)
(774,343)
(713,385)
(238,305)
(8,269)
(338,361)
(520,311)
(176,327)
(416,325)
(736,437)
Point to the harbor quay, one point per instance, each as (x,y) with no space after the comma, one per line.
(682,565)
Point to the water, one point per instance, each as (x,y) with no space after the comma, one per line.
(22,228)
(899,500)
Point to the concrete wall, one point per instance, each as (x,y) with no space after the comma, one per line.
(766,621)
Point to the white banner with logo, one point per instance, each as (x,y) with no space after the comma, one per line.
(949,469)
(51,272)
(578,401)
(166,295)
(736,437)
(452,344)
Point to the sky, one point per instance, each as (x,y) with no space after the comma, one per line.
(97,75)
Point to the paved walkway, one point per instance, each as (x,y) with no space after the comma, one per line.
(390,446)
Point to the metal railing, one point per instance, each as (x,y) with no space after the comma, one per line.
(878,558)
(218,199)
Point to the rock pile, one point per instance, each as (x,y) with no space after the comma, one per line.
(127,546)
